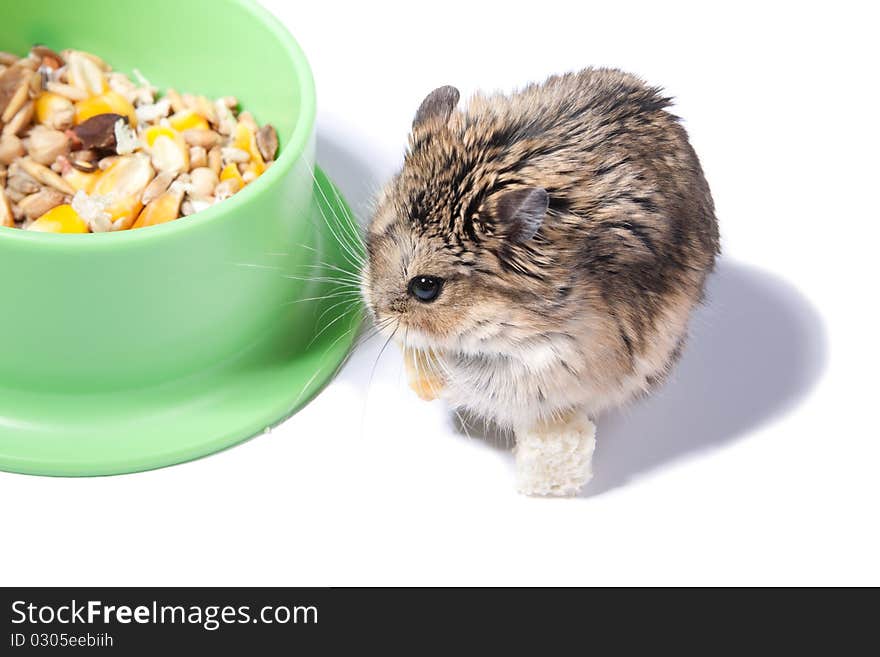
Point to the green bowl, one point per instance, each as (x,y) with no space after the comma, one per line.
(133,350)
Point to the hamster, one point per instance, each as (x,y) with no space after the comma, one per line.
(538,256)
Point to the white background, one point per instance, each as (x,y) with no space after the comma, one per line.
(756,464)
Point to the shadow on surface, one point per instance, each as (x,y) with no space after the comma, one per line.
(756,349)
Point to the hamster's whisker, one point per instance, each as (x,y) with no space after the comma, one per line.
(351,220)
(439,370)
(327,265)
(257,266)
(347,247)
(369,334)
(356,272)
(324,360)
(340,276)
(333,295)
(373,373)
(331,323)
(318,279)
(348,221)
(345,300)
(349,280)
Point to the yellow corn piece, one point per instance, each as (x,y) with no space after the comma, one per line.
(126,180)
(80,180)
(164,208)
(60,219)
(169,149)
(188,120)
(47,105)
(231,171)
(107,103)
(245,139)
(154,132)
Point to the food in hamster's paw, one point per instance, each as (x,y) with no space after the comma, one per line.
(423,373)
(555,459)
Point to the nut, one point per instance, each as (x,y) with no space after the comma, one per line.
(207,139)
(36,205)
(202,182)
(198,157)
(10,148)
(215,160)
(232,154)
(44,145)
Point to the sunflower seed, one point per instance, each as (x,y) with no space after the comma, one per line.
(267,141)
(36,205)
(67,91)
(46,176)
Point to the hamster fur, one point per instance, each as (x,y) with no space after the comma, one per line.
(539,254)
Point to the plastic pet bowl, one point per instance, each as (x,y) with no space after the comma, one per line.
(128,351)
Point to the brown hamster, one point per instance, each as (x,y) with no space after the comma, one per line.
(538,257)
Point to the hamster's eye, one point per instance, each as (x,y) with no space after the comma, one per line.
(425,288)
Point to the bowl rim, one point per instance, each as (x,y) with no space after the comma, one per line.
(290,155)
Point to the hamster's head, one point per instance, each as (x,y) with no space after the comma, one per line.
(453,248)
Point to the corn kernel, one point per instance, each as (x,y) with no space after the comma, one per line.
(230,171)
(80,180)
(107,103)
(60,219)
(47,105)
(154,132)
(245,139)
(160,210)
(126,179)
(188,120)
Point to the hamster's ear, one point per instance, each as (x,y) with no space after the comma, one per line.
(438,105)
(521,212)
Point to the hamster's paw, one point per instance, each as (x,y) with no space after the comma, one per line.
(555,459)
